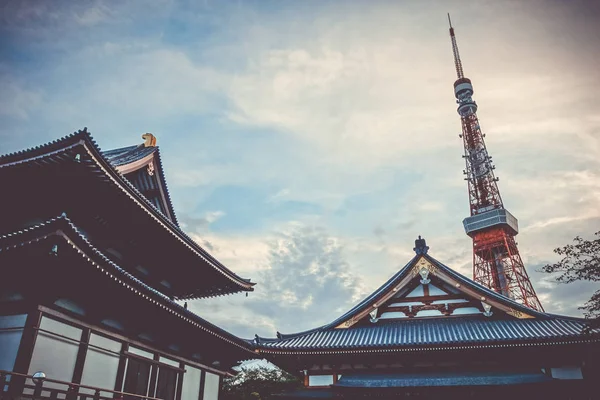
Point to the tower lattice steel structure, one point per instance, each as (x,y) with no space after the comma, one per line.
(496,260)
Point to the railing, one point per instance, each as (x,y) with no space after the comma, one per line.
(15,386)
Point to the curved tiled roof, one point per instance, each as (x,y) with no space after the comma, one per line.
(83,138)
(397,277)
(63,227)
(418,334)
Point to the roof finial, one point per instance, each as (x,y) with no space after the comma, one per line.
(150,140)
(420,246)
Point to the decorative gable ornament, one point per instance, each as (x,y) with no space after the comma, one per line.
(424,272)
(421,246)
(151,168)
(487,309)
(373,315)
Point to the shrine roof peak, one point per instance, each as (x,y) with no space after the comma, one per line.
(497,318)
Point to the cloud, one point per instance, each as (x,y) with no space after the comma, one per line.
(17,101)
(305,281)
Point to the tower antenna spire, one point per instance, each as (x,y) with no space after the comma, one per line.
(457,63)
(497,263)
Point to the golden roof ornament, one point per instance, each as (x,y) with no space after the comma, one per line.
(150,140)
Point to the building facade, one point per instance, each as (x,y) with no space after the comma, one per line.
(92,263)
(432,333)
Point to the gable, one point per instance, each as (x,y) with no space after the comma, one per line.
(431,299)
(141,166)
(425,290)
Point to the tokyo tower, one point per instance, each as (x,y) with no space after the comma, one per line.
(496,260)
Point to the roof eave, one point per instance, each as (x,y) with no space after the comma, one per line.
(63,227)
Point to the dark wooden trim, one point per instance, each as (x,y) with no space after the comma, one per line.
(15,307)
(151,391)
(425,299)
(412,311)
(119,337)
(202,379)
(220,387)
(121,368)
(26,346)
(81,354)
(180,378)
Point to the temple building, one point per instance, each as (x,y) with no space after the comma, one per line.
(431,333)
(92,262)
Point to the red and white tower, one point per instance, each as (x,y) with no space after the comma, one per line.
(496,260)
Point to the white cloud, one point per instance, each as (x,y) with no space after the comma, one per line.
(17,101)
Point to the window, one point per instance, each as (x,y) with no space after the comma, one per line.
(211,386)
(141,352)
(320,380)
(55,351)
(101,363)
(191,383)
(11,330)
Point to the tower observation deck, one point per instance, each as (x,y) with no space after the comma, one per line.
(497,263)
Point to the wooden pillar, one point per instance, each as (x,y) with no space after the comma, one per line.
(220,387)
(81,354)
(121,368)
(180,382)
(202,379)
(153,377)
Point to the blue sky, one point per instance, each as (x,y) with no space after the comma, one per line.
(307,144)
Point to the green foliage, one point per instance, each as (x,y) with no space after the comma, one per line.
(258,383)
(581,261)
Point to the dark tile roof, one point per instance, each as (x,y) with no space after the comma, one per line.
(62,225)
(61,149)
(127,155)
(440,379)
(417,334)
(451,331)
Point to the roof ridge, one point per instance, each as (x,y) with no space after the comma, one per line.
(82,132)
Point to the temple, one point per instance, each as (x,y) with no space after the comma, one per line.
(92,264)
(431,333)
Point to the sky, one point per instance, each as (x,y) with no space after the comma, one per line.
(306,144)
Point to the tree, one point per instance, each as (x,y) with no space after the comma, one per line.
(258,383)
(581,261)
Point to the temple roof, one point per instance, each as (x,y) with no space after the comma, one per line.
(132,161)
(494,320)
(415,333)
(129,154)
(68,237)
(116,167)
